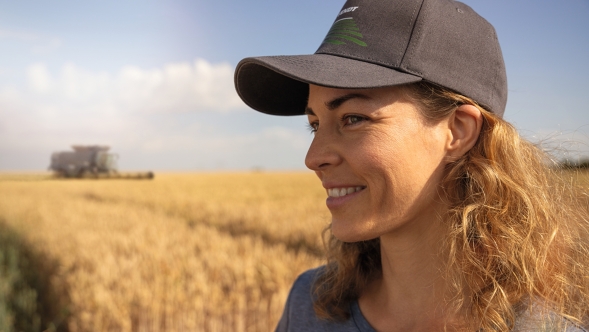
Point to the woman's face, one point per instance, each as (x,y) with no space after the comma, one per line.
(378,158)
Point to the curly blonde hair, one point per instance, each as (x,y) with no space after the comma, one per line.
(518,231)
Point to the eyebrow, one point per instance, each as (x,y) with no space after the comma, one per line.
(337,102)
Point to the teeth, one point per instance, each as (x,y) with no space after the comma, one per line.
(339,192)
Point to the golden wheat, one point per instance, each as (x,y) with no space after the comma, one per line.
(184,252)
(205,252)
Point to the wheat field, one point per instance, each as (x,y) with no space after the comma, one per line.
(182,252)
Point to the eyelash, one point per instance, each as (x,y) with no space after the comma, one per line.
(348,117)
(313,126)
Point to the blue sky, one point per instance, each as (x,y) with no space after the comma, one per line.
(153,79)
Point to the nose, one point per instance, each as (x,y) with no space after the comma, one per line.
(322,153)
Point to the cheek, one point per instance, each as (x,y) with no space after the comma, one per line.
(390,152)
(402,164)
(423,148)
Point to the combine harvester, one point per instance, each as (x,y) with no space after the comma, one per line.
(91,162)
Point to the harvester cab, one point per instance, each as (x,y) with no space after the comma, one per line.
(84,161)
(90,161)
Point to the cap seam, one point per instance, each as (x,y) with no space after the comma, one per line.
(355,57)
(412,26)
(374,62)
(414,21)
(415,32)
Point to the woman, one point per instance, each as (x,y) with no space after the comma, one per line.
(443,218)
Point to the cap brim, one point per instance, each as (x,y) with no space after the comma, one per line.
(279,85)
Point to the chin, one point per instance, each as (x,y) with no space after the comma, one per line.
(347,233)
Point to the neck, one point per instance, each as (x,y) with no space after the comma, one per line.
(411,293)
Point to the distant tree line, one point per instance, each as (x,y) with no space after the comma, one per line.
(575,164)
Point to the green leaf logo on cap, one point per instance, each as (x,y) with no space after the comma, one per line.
(344,30)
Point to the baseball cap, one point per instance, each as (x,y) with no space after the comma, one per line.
(382,43)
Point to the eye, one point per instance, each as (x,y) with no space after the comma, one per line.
(313,126)
(350,120)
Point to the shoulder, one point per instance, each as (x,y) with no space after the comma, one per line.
(299,314)
(538,318)
(552,323)
(301,292)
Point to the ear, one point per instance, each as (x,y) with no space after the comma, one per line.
(465,127)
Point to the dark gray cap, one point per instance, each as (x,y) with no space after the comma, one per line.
(380,43)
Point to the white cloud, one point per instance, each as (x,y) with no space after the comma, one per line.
(39,78)
(175,87)
(180,115)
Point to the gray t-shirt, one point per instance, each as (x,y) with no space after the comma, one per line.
(299,315)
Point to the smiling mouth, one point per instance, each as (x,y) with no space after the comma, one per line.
(340,192)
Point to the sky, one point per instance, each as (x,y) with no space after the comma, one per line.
(154,79)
